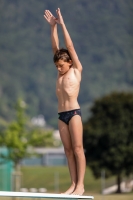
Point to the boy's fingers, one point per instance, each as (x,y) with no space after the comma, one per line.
(48,13)
(57,12)
(45,17)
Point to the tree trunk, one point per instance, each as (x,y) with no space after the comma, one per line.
(17,180)
(118,183)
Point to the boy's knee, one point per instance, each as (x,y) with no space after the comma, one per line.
(68,151)
(78,151)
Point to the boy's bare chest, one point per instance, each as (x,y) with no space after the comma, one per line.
(66,81)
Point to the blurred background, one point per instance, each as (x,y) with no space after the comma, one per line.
(30,146)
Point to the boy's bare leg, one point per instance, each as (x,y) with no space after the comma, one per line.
(76,131)
(66,140)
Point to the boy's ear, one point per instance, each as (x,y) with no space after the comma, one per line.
(70,61)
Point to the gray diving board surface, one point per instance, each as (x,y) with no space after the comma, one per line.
(43,195)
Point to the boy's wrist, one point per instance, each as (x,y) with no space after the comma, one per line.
(53,25)
(62,24)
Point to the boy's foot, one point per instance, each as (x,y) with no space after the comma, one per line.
(70,190)
(78,191)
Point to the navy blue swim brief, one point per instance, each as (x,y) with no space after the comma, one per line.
(67,115)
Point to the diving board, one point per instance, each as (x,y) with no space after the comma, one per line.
(42,195)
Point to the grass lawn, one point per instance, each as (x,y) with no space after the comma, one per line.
(57,180)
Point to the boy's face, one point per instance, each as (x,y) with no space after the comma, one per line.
(63,66)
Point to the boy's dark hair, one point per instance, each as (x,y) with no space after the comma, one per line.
(62,54)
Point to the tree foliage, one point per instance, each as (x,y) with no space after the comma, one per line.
(108,136)
(103,39)
(18,136)
(39,137)
(15,135)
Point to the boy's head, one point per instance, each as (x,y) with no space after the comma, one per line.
(62,54)
(62,61)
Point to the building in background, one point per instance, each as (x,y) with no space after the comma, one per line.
(46,157)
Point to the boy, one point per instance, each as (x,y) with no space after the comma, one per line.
(67,89)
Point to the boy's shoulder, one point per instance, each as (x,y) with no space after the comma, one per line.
(76,72)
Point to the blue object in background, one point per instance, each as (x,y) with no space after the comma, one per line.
(6,169)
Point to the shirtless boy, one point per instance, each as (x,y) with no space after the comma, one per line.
(67,89)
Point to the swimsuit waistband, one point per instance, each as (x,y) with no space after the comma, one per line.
(69,110)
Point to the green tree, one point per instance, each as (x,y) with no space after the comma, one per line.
(15,135)
(108,136)
(14,138)
(3,125)
(18,136)
(38,137)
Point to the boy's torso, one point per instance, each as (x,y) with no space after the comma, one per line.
(67,90)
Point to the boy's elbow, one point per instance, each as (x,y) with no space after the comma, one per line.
(81,68)
(54,49)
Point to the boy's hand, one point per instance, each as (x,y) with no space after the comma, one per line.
(59,19)
(50,18)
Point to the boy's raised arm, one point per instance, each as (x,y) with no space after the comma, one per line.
(54,35)
(68,41)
